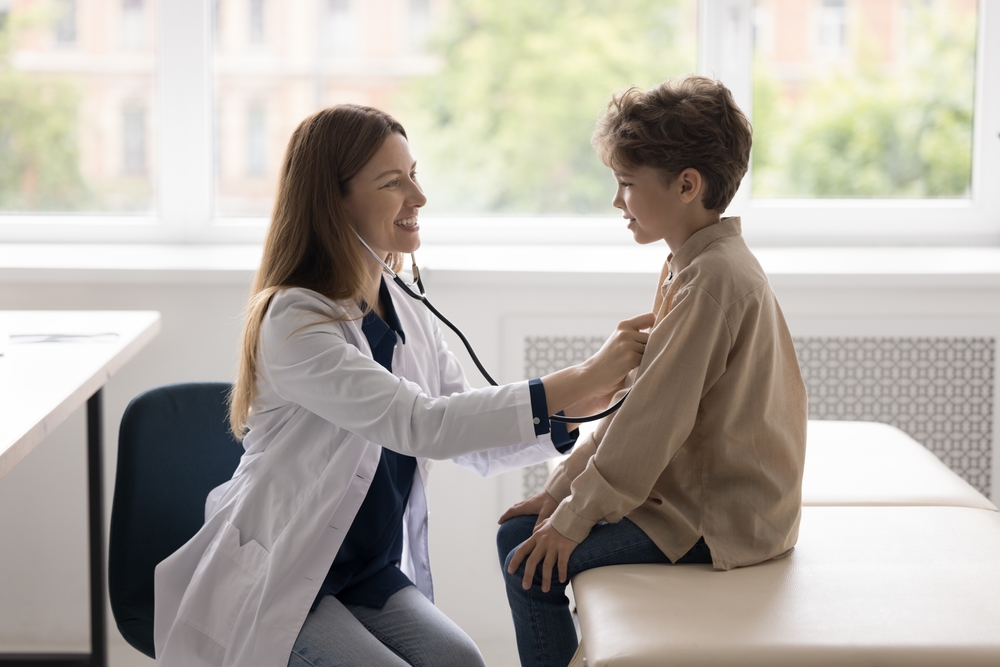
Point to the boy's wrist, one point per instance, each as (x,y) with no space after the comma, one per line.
(569,524)
(558,484)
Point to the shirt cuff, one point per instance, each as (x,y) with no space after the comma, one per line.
(539,407)
(570,524)
(562,439)
(559,485)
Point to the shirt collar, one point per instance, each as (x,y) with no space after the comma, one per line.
(697,244)
(373,326)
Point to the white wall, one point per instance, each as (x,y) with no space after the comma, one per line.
(43,586)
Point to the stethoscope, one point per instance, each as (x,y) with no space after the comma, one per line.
(465,341)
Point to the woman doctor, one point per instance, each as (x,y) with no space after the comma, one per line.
(315,553)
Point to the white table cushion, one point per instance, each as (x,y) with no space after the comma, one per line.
(873,586)
(865,463)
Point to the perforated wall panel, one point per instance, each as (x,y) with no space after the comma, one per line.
(938,390)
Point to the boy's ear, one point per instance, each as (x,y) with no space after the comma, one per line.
(690,183)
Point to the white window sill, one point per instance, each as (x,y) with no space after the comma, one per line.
(504,264)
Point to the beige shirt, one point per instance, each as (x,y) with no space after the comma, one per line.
(711,441)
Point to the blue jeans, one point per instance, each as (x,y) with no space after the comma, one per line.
(544,627)
(409,631)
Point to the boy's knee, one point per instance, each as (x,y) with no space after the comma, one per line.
(510,535)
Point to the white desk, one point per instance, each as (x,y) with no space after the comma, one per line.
(53,362)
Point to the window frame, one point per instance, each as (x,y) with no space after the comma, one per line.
(185,176)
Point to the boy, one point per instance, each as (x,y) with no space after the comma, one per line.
(703,463)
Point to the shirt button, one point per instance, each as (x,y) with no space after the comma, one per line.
(536,420)
(670,276)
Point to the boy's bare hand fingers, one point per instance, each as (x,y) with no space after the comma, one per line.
(547,566)
(563,567)
(519,555)
(643,321)
(536,504)
(544,513)
(529,569)
(516,510)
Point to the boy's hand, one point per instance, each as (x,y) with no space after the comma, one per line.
(542,504)
(548,547)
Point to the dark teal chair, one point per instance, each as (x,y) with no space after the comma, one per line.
(174,447)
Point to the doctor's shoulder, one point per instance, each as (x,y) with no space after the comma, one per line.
(295,309)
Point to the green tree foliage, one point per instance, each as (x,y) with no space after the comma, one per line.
(875,129)
(505,125)
(39,154)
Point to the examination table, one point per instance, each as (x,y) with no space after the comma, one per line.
(897,564)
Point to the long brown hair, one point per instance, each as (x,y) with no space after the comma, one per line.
(310,242)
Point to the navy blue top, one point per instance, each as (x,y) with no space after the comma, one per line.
(366,569)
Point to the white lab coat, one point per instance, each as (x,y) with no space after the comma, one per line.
(238,592)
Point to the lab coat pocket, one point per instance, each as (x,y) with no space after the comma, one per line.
(221,584)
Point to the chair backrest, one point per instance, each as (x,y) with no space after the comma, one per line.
(174,447)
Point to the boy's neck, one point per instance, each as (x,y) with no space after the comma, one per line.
(680,233)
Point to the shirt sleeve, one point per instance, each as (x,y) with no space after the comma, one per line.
(569,469)
(562,477)
(685,356)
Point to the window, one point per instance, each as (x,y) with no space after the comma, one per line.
(133,25)
(134,140)
(879,105)
(831,38)
(763,30)
(256,24)
(65,22)
(76,124)
(420,24)
(494,103)
(256,139)
(500,125)
(167,120)
(340,28)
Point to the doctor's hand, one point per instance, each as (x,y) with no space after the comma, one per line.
(602,372)
(598,401)
(620,353)
(548,547)
(541,504)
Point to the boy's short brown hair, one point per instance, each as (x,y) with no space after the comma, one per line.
(691,122)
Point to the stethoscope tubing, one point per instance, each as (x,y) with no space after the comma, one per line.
(465,341)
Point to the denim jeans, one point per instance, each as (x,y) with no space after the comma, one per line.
(542,621)
(408,630)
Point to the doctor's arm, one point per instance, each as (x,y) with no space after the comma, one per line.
(581,387)
(308,361)
(552,438)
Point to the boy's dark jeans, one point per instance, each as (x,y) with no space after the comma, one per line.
(546,636)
